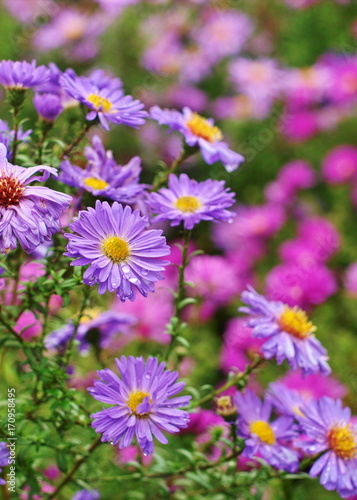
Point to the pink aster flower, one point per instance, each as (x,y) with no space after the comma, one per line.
(239,346)
(199,132)
(350,279)
(214,283)
(340,165)
(28,214)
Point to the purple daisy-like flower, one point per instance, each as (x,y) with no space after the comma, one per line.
(330,431)
(200,132)
(48,106)
(103,177)
(106,103)
(143,401)
(265,439)
(86,495)
(95,329)
(123,255)
(7,136)
(190,201)
(29,214)
(287,332)
(22,75)
(4,458)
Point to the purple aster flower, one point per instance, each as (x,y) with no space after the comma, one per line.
(102,176)
(288,333)
(22,75)
(7,136)
(95,329)
(123,256)
(106,103)
(329,431)
(190,201)
(265,439)
(143,403)
(48,106)
(102,79)
(4,456)
(199,132)
(29,214)
(86,495)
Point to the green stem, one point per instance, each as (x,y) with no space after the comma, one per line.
(239,377)
(11,330)
(82,133)
(180,293)
(162,178)
(84,306)
(74,469)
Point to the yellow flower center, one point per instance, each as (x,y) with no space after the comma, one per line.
(95,183)
(294,320)
(136,398)
(187,204)
(200,127)
(116,249)
(10,191)
(100,102)
(263,430)
(225,406)
(343,441)
(90,314)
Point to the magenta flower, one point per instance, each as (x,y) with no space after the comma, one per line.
(331,432)
(263,438)
(190,201)
(143,403)
(200,132)
(122,255)
(287,332)
(106,103)
(28,214)
(239,346)
(340,165)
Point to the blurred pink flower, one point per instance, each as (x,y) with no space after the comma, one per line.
(239,347)
(302,285)
(340,165)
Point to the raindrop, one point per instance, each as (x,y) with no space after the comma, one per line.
(145,272)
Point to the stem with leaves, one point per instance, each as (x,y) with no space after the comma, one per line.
(87,126)
(75,467)
(240,379)
(176,325)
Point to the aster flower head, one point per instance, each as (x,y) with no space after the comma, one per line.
(265,439)
(105,103)
(48,106)
(96,328)
(287,333)
(86,495)
(199,132)
(190,201)
(122,255)
(28,214)
(21,75)
(7,136)
(330,431)
(143,403)
(103,177)
(4,455)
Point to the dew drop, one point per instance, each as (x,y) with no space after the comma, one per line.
(145,272)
